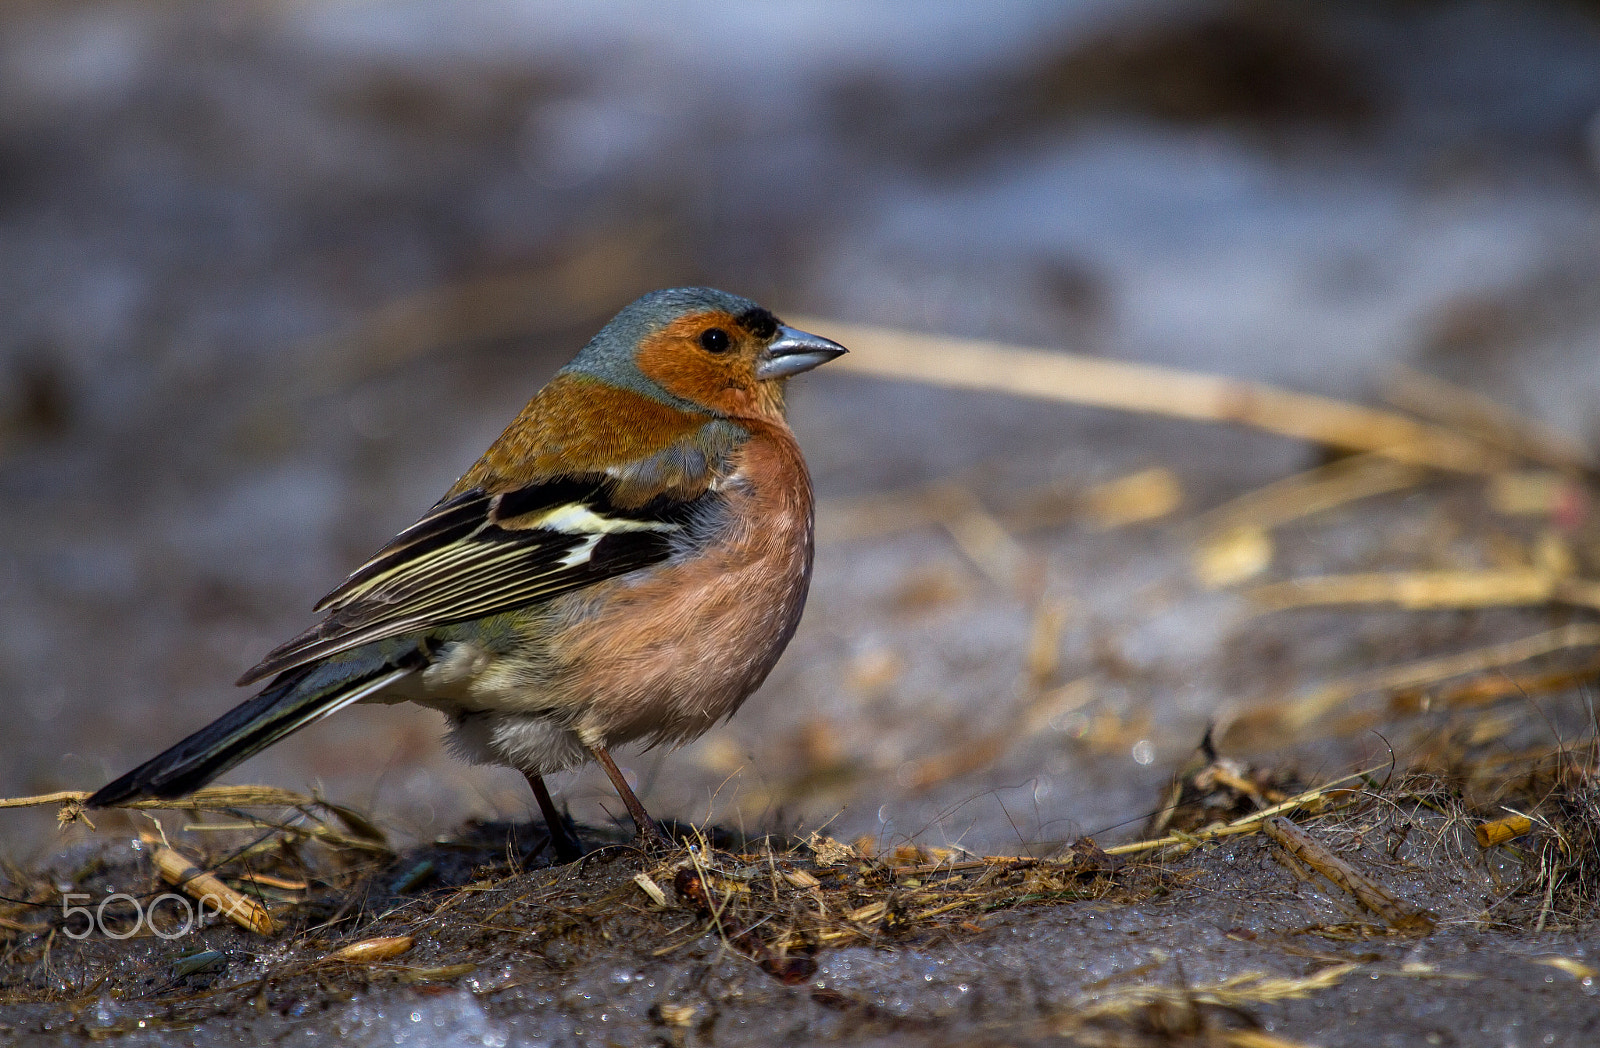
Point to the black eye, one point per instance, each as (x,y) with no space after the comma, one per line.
(715,340)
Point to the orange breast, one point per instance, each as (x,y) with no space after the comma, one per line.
(666,656)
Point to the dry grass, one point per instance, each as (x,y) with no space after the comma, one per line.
(1466,445)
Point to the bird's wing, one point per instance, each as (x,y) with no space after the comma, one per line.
(478,554)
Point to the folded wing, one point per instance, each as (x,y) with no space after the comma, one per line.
(477,554)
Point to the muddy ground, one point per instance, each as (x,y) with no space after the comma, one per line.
(777,942)
(271,277)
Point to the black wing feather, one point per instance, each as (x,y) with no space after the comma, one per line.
(452,519)
(477,554)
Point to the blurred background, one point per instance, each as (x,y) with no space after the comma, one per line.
(273,273)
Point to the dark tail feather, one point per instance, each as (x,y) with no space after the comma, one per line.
(294,700)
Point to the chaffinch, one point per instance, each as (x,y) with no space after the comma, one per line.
(625,563)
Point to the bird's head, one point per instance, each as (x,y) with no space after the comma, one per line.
(702,349)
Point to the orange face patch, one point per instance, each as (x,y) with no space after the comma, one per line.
(677,358)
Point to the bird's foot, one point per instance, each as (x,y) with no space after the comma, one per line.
(563,841)
(564,845)
(649,836)
(652,839)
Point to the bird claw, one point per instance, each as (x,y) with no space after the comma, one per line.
(653,840)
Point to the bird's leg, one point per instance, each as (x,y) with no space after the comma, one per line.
(563,843)
(642,822)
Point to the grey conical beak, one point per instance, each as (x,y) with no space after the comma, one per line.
(795,351)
